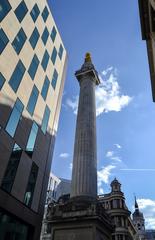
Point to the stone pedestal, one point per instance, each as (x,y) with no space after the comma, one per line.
(79,220)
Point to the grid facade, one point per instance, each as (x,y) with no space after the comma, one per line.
(32,72)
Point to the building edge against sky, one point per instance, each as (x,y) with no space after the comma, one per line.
(32,74)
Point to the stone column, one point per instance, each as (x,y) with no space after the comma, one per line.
(84,173)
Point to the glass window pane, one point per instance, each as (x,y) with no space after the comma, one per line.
(31,185)
(45,60)
(14,117)
(33,67)
(53,34)
(34,38)
(19,41)
(45,36)
(11,169)
(32,100)
(35,12)
(21,11)
(32,139)
(45,14)
(5,7)
(11,228)
(54,79)
(54,55)
(3,40)
(2,80)
(17,76)
(45,88)
(45,119)
(60,51)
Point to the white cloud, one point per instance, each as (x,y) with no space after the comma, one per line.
(71,166)
(117,145)
(116,158)
(104,174)
(108,94)
(64,155)
(147,207)
(100,190)
(104,72)
(73,104)
(110,154)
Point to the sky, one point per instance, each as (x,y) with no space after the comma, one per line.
(110,31)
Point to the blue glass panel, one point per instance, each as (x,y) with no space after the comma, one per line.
(19,41)
(2,80)
(14,117)
(60,51)
(53,34)
(5,7)
(35,12)
(45,88)
(45,119)
(32,100)
(45,36)
(34,38)
(11,169)
(31,185)
(21,11)
(33,67)
(3,40)
(45,14)
(54,78)
(45,60)
(32,139)
(17,76)
(54,55)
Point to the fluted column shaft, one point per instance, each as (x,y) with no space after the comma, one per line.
(84,173)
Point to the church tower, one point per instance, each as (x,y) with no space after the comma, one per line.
(139,221)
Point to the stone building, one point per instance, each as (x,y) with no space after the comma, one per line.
(115,207)
(32,73)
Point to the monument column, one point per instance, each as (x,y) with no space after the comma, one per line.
(84,173)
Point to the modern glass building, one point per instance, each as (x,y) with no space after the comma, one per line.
(32,73)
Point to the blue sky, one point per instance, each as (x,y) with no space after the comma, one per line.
(110,30)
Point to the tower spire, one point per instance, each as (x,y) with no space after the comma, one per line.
(136,204)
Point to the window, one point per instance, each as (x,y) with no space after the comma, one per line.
(32,139)
(32,100)
(11,169)
(45,120)
(35,12)
(3,40)
(34,38)
(21,11)
(19,41)
(2,80)
(60,51)
(45,60)
(54,55)
(33,67)
(45,88)
(53,34)
(31,185)
(5,7)
(45,14)
(54,79)
(45,36)
(14,117)
(12,227)
(17,76)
